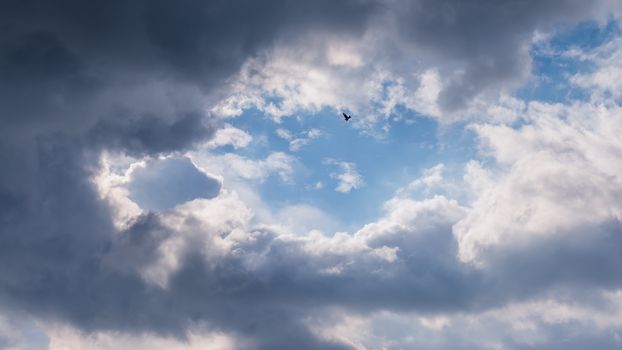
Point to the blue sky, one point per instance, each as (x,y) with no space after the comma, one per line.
(179,175)
(391,154)
(386,162)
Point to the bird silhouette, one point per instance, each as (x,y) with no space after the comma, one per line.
(346,117)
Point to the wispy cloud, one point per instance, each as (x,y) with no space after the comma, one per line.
(349,178)
(297,141)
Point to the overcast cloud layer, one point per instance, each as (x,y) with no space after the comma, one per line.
(130,215)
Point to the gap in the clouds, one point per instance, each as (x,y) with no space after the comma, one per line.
(553,64)
(411,144)
(164,183)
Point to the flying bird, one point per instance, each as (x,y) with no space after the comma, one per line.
(346,117)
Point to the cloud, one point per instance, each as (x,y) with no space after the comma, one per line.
(302,219)
(483,45)
(207,260)
(349,178)
(19,332)
(537,324)
(605,79)
(87,67)
(67,338)
(296,142)
(229,135)
(150,134)
(82,79)
(561,174)
(443,59)
(284,134)
(234,166)
(431,177)
(163,267)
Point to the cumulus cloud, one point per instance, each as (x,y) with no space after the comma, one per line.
(562,174)
(162,267)
(231,136)
(208,260)
(444,59)
(301,219)
(431,178)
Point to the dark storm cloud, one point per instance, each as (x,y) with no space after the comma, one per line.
(58,57)
(42,81)
(150,133)
(65,68)
(202,41)
(80,77)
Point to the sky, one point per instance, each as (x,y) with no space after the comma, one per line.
(178,175)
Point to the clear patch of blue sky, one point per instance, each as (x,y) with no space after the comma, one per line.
(163,184)
(411,145)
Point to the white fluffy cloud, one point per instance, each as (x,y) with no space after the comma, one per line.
(229,135)
(559,172)
(342,74)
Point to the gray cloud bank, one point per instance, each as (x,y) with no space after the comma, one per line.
(81,77)
(484,45)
